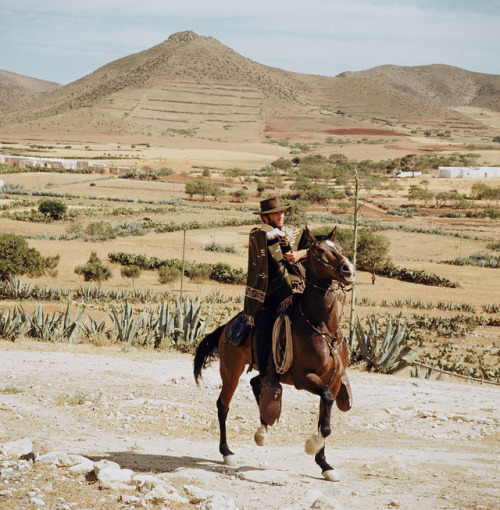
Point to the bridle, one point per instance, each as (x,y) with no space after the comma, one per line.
(332,341)
(331,267)
(332,287)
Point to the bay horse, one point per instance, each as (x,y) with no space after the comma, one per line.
(320,353)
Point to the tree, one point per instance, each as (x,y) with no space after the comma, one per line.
(55,209)
(202,188)
(17,258)
(296,213)
(132,272)
(94,270)
(237,173)
(240,195)
(372,249)
(282,164)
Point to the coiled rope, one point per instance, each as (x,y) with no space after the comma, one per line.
(282,351)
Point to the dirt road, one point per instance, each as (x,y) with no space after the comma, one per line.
(407,443)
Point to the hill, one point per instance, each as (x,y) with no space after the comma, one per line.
(195,86)
(18,92)
(440,84)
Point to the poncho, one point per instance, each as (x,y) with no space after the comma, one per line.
(262,253)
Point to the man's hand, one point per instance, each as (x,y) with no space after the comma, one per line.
(274,233)
(295,256)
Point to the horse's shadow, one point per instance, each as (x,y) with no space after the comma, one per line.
(167,463)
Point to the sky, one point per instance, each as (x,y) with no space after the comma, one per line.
(64,40)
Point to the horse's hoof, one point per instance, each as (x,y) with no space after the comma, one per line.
(331,475)
(230,460)
(314,444)
(260,435)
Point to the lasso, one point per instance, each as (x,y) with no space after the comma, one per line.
(282,354)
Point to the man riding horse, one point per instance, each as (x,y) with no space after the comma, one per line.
(273,248)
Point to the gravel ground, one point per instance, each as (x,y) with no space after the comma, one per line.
(406,443)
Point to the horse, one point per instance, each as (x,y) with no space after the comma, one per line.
(320,353)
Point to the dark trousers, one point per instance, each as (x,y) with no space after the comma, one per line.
(264,323)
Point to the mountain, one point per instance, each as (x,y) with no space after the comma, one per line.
(18,91)
(440,84)
(196,86)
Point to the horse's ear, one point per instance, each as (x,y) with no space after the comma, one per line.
(309,236)
(333,234)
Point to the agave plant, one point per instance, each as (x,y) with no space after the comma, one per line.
(14,324)
(391,357)
(127,329)
(95,328)
(187,322)
(13,288)
(161,323)
(58,327)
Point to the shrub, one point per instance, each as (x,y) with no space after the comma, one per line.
(55,209)
(219,248)
(224,273)
(17,258)
(131,272)
(94,270)
(168,274)
(200,272)
(101,230)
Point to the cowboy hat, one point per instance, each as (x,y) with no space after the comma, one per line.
(271,205)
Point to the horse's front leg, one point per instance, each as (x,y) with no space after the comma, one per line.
(315,445)
(261,432)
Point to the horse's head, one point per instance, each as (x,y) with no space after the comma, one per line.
(326,261)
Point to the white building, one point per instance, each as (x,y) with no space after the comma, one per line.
(471,172)
(401,174)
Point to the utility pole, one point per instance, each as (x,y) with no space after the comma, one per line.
(183,263)
(355,249)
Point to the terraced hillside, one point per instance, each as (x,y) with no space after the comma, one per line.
(189,107)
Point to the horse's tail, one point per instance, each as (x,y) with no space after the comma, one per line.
(205,352)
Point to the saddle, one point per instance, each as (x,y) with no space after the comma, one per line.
(237,329)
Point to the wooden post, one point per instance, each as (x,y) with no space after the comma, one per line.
(183,263)
(355,248)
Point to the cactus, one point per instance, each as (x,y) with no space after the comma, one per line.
(126,328)
(58,327)
(15,324)
(391,357)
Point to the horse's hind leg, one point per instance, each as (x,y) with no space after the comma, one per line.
(229,384)
(261,432)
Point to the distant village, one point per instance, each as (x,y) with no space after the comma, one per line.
(59,163)
(446,172)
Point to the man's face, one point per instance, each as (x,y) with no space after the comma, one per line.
(276,220)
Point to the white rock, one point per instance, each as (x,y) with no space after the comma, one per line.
(310,497)
(82,469)
(105,464)
(50,457)
(37,501)
(110,477)
(218,502)
(197,493)
(72,460)
(17,448)
(325,503)
(146,483)
(161,495)
(128,499)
